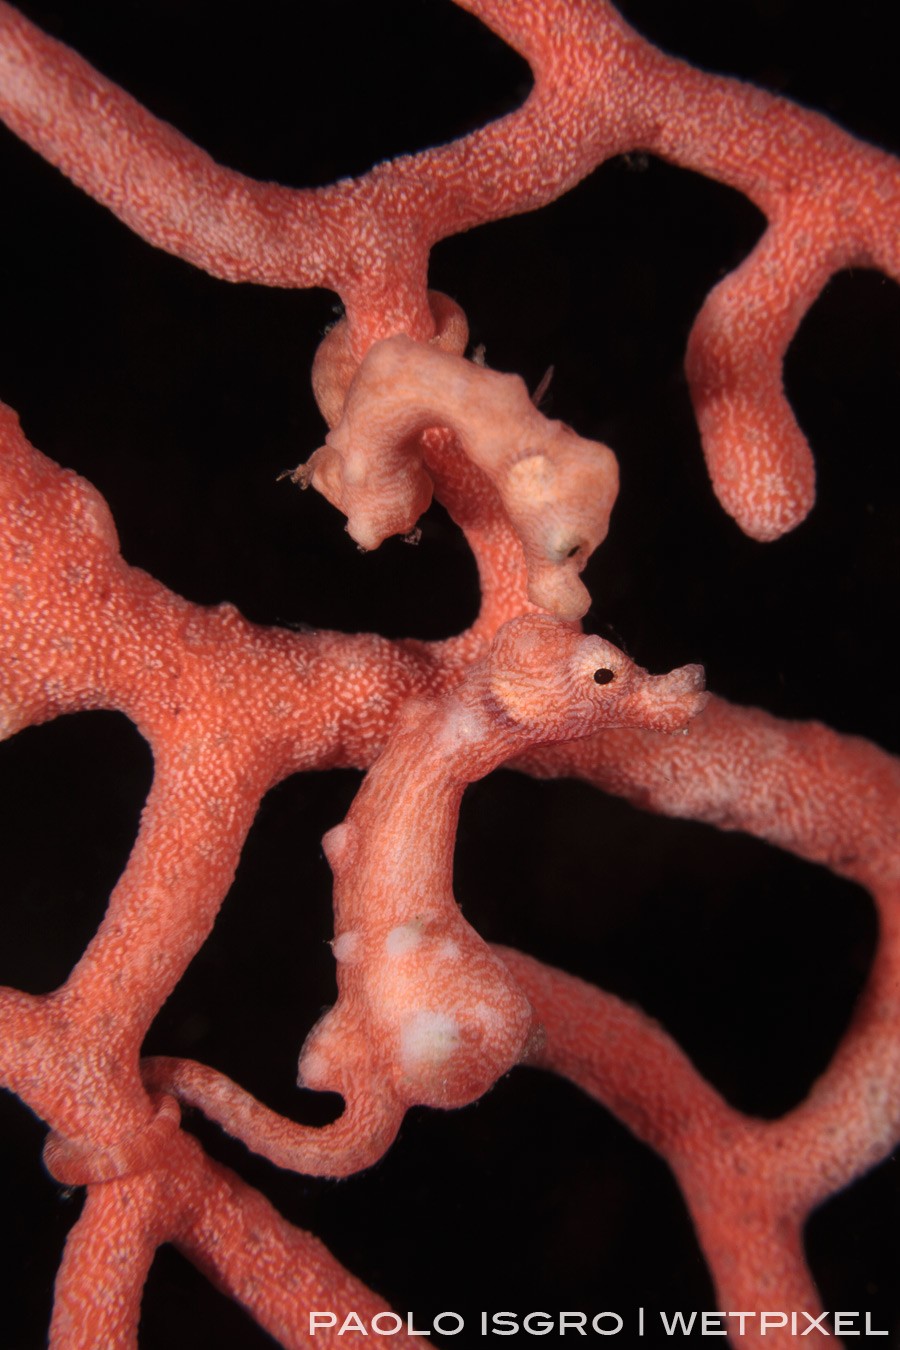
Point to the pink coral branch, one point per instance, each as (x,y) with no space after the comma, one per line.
(106,1263)
(829,798)
(749,1184)
(600,90)
(279,1273)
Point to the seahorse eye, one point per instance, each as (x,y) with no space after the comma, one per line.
(604,676)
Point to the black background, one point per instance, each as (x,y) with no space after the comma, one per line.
(182,397)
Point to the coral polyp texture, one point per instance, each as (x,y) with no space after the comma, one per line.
(463,959)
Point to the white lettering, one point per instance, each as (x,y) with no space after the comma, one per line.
(448,1331)
(572,1321)
(742,1317)
(678,1323)
(377,1323)
(603,1331)
(505,1324)
(708,1323)
(539,1328)
(353,1322)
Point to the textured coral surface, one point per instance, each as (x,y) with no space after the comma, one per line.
(182,398)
